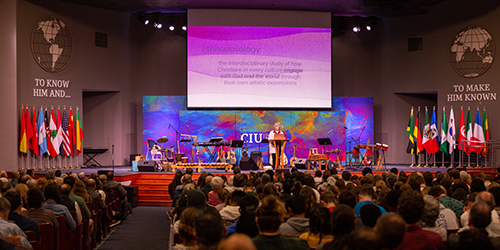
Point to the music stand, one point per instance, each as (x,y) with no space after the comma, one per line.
(237,144)
(324,142)
(216,139)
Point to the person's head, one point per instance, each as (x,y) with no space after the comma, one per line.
(230,181)
(346,175)
(4,208)
(454,174)
(238,241)
(217,183)
(265,178)
(277,126)
(319,221)
(390,229)
(246,223)
(369,214)
(196,198)
(486,197)
(236,196)
(431,212)
(327,198)
(238,180)
(24,191)
(269,189)
(35,198)
(411,206)
(186,179)
(15,199)
(50,175)
(474,239)
(209,227)
(296,205)
(52,192)
(186,224)
(366,194)
(79,189)
(480,215)
(91,184)
(362,238)
(394,171)
(342,219)
(437,191)
(208,180)
(270,215)
(477,185)
(65,190)
(189,171)
(428,177)
(14,174)
(70,180)
(347,198)
(58,173)
(109,175)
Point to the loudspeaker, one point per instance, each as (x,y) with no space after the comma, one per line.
(300,163)
(247,163)
(147,166)
(329,164)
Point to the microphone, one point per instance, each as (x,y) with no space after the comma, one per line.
(329,132)
(187,126)
(345,127)
(169,125)
(241,129)
(212,130)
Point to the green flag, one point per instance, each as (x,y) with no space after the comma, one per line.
(444,131)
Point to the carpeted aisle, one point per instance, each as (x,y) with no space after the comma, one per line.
(147,228)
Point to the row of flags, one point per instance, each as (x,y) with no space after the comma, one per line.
(44,134)
(470,139)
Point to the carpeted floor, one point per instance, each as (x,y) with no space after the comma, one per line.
(146,228)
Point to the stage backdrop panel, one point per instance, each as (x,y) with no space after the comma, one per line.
(358,119)
(158,112)
(303,127)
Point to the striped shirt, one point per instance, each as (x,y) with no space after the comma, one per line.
(41,215)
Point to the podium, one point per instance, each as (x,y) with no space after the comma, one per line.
(279,139)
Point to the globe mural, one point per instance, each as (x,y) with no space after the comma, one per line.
(51,44)
(472,52)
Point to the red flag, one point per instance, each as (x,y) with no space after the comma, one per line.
(53,146)
(461,136)
(417,135)
(29,128)
(34,139)
(67,137)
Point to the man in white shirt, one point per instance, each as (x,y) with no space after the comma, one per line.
(272,149)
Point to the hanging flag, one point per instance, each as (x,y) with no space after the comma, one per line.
(66,139)
(452,134)
(462,137)
(52,146)
(444,132)
(59,135)
(468,132)
(486,133)
(71,130)
(409,133)
(433,135)
(47,129)
(29,128)
(79,133)
(416,134)
(34,139)
(426,132)
(23,143)
(478,134)
(42,133)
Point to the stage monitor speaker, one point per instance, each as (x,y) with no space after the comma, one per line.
(147,166)
(247,163)
(329,164)
(300,163)
(256,156)
(99,172)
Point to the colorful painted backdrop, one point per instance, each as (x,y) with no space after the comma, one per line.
(163,115)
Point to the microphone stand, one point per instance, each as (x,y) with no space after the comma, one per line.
(191,139)
(176,142)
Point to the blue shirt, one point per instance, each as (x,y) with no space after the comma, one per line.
(231,229)
(61,210)
(358,206)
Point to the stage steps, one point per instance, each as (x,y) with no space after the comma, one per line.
(153,187)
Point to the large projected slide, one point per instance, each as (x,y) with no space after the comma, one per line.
(259,67)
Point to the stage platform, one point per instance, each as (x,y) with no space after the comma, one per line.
(152,187)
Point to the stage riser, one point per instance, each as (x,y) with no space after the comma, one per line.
(154,191)
(152,180)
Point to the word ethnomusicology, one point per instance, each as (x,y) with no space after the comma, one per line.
(230,49)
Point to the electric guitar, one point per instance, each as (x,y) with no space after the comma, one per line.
(292,160)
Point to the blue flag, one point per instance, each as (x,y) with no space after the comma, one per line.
(42,133)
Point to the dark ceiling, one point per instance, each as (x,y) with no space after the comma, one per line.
(378,8)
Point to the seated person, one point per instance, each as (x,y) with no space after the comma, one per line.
(319,228)
(297,224)
(16,204)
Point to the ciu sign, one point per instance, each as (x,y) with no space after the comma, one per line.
(252,137)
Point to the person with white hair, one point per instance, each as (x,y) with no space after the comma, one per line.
(217,184)
(229,185)
(430,216)
(272,149)
(82,176)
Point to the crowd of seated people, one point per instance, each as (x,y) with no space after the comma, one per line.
(330,210)
(27,203)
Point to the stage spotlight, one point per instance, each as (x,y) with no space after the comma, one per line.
(171,26)
(184,26)
(371,25)
(156,23)
(143,19)
(356,28)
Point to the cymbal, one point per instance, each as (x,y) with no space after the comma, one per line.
(162,140)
